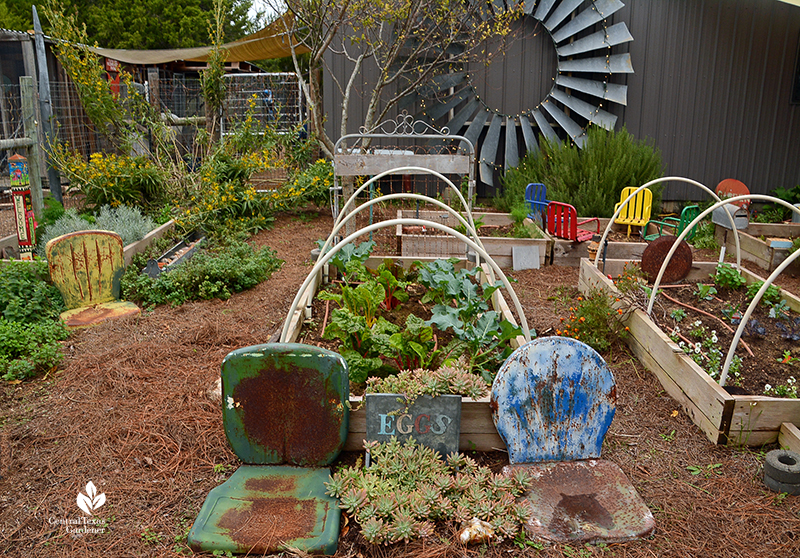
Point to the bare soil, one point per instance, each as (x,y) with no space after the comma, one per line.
(764,345)
(129,410)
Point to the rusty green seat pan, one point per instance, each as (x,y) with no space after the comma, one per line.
(284,410)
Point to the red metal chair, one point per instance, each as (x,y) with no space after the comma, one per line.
(562,222)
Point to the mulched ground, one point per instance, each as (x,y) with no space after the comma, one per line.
(129,410)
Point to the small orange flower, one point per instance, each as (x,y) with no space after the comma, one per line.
(619,311)
(583,319)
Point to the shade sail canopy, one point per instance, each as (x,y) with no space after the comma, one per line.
(270,42)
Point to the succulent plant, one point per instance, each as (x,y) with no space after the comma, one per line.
(408,487)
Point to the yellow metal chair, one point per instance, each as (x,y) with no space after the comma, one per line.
(86,267)
(636,212)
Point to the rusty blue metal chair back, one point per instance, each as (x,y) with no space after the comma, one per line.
(553,400)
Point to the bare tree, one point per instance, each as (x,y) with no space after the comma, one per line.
(410,41)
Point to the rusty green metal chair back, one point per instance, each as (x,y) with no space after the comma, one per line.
(285,414)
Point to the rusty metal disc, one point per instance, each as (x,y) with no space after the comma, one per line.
(655,254)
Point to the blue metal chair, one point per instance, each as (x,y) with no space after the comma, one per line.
(553,401)
(536,198)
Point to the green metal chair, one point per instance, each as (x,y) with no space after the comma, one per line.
(285,414)
(689,214)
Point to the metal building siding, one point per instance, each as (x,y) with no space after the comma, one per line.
(712,88)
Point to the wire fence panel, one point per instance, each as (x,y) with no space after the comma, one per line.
(71,125)
(274,100)
(182,97)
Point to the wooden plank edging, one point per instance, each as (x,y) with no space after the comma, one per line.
(725,419)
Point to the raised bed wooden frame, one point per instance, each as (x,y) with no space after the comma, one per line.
(477,428)
(500,249)
(751,420)
(764,253)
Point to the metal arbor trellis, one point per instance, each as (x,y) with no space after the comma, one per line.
(442,153)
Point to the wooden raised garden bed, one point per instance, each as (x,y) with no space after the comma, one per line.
(128,251)
(477,428)
(499,248)
(569,253)
(764,244)
(750,420)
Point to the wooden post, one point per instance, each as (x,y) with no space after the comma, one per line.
(152,86)
(29,122)
(46,108)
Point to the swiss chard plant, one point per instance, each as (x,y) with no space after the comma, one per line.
(349,260)
(463,308)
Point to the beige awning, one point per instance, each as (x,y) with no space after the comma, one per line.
(270,42)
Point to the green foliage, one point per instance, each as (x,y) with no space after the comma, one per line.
(25,295)
(29,348)
(463,308)
(728,277)
(313,183)
(30,329)
(127,222)
(593,320)
(771,296)
(13,18)
(50,214)
(704,237)
(180,23)
(591,179)
(408,489)
(774,213)
(363,300)
(349,260)
(393,288)
(208,274)
(225,205)
(705,292)
(771,214)
(678,314)
(702,346)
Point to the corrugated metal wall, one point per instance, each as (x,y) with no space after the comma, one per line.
(712,86)
(712,89)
